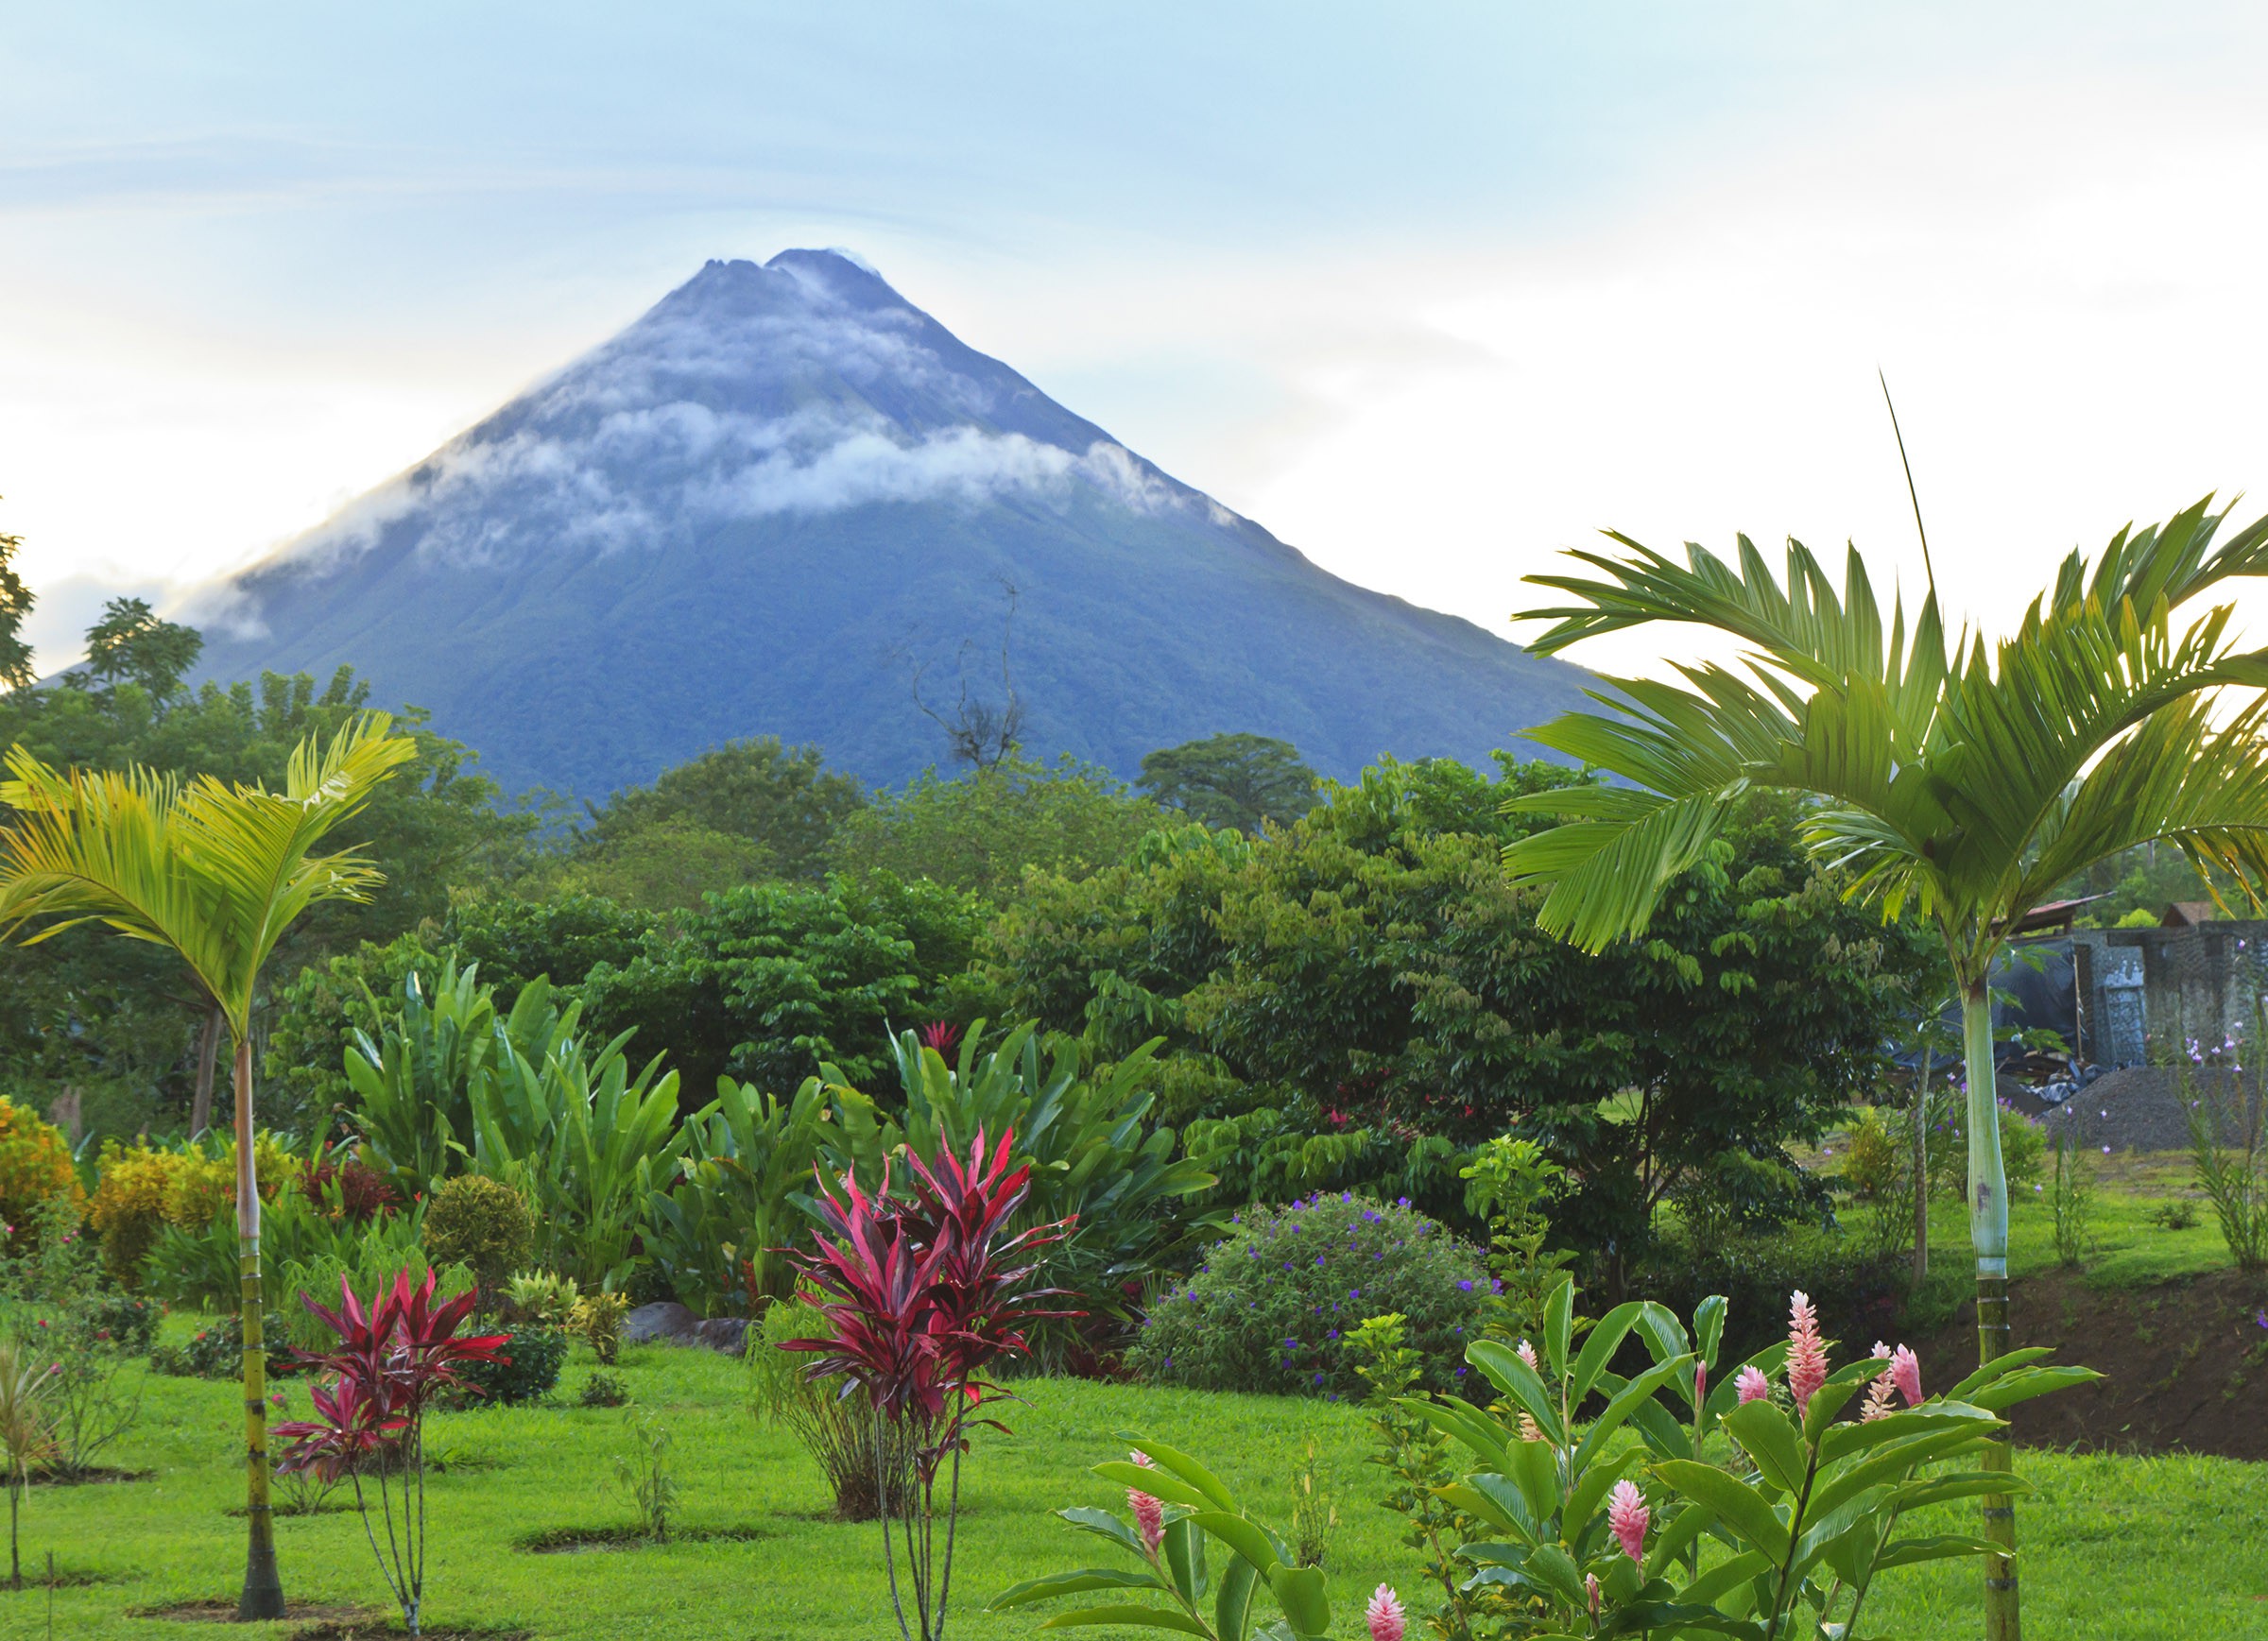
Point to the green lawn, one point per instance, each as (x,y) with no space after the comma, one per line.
(2119,1548)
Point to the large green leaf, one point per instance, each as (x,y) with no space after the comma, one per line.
(1249,1541)
(1071,1585)
(1216,1494)
(1771,1442)
(1741,1509)
(1300,1592)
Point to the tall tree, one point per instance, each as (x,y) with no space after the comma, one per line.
(214,874)
(1232,780)
(783,803)
(1963,780)
(15,604)
(983,829)
(130,643)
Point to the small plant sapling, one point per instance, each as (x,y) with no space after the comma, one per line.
(1314,1510)
(643,1473)
(394,1356)
(25,1439)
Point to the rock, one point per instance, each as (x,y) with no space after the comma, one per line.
(669,1322)
(666,1319)
(729,1334)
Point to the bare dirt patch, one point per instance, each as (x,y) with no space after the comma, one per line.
(569,1541)
(2185,1364)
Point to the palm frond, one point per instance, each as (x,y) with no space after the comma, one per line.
(216,873)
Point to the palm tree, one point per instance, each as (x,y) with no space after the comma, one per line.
(1962,783)
(215,874)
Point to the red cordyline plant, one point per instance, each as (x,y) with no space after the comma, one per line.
(393,1358)
(924,1297)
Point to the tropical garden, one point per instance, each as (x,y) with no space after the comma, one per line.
(1463,1204)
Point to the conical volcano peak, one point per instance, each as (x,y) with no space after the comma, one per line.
(749,511)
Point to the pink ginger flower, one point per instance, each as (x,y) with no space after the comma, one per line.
(1754,1387)
(1149,1514)
(1807,1352)
(1906,1372)
(1879,1393)
(1591,1586)
(1700,1383)
(1626,1515)
(1529,1429)
(1384,1616)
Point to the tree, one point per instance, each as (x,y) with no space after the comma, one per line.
(93,1011)
(983,829)
(1232,780)
(783,802)
(767,981)
(214,874)
(131,645)
(665,866)
(1370,966)
(15,604)
(1964,782)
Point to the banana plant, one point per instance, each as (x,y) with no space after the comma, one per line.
(585,1140)
(1186,1525)
(412,1085)
(720,1228)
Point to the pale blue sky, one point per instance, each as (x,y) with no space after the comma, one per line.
(1428,290)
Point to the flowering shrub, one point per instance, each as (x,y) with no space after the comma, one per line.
(1177,1505)
(1596,1534)
(35,1168)
(1270,1307)
(215,1352)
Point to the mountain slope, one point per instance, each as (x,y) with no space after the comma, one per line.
(761,506)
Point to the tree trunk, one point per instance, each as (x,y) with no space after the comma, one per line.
(262,1594)
(208,1050)
(1988,1233)
(1921,1170)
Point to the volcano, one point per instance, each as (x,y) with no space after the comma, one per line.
(786,501)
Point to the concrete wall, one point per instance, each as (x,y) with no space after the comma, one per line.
(2146,994)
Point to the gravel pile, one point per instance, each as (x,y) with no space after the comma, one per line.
(2141,1108)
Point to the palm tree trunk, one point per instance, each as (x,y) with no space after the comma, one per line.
(1988,1233)
(1921,1167)
(262,1594)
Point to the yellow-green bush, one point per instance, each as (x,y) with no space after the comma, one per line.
(480,1222)
(35,1168)
(129,1205)
(201,1187)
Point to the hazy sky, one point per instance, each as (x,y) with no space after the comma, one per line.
(1430,291)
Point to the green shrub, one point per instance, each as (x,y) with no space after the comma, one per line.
(125,1321)
(1268,1308)
(1861,1290)
(603,1390)
(481,1223)
(215,1352)
(537,1355)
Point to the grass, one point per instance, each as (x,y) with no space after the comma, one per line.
(2119,1549)
(2131,1249)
